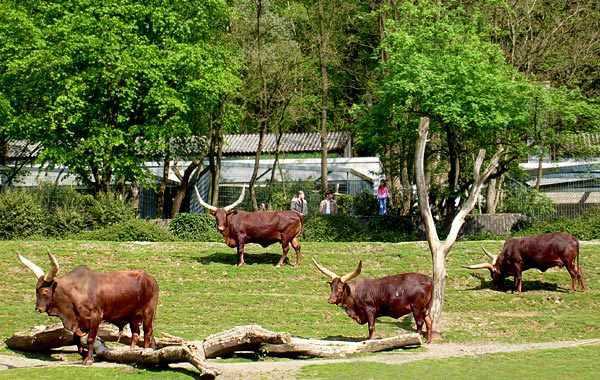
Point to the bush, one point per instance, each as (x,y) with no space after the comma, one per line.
(391,228)
(20,215)
(529,202)
(345,204)
(586,227)
(66,209)
(108,209)
(333,228)
(129,230)
(194,227)
(366,204)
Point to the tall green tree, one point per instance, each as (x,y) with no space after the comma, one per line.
(441,65)
(111,81)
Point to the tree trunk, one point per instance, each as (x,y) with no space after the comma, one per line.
(176,350)
(439,251)
(160,193)
(323,46)
(184,185)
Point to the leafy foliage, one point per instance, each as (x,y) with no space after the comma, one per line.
(586,227)
(194,227)
(20,215)
(527,201)
(129,230)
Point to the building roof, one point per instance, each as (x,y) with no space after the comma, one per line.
(290,143)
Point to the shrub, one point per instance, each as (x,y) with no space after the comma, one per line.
(345,204)
(194,227)
(333,228)
(129,230)
(66,209)
(527,201)
(20,215)
(391,228)
(365,204)
(586,227)
(108,209)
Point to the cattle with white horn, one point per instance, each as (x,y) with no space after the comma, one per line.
(84,298)
(265,228)
(392,296)
(541,252)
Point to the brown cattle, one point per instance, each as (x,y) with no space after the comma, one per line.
(84,298)
(542,252)
(391,296)
(264,228)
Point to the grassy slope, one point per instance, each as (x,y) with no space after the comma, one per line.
(203,293)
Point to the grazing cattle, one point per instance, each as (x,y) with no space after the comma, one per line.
(542,252)
(391,296)
(264,228)
(84,298)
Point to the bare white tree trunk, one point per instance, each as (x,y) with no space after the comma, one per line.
(439,250)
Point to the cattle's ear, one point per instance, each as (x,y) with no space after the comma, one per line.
(233,212)
(329,283)
(212,213)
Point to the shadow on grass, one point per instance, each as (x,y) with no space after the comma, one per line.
(230,258)
(535,285)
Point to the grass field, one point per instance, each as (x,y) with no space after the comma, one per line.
(202,292)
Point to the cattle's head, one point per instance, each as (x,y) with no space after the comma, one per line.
(45,285)
(497,276)
(339,286)
(220,214)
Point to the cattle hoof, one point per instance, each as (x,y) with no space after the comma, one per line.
(278,266)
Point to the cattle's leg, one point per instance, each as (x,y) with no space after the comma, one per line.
(371,319)
(420,317)
(149,341)
(429,325)
(518,284)
(240,252)
(91,338)
(77,342)
(296,246)
(285,245)
(135,333)
(576,276)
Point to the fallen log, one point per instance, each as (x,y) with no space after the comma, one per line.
(242,338)
(189,353)
(172,349)
(329,348)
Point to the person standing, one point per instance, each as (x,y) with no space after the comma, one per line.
(328,205)
(383,196)
(299,203)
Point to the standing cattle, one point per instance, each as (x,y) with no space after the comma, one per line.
(84,298)
(392,296)
(264,228)
(538,251)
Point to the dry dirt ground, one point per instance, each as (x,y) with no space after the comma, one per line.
(285,370)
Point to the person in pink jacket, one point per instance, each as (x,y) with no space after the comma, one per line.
(383,196)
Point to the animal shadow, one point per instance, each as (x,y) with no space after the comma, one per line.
(508,284)
(230,258)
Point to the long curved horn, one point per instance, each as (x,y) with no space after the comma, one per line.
(204,204)
(350,276)
(53,270)
(39,272)
(490,255)
(324,270)
(479,266)
(240,199)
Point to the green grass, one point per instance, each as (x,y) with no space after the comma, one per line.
(581,363)
(202,292)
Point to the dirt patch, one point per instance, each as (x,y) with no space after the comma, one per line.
(285,370)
